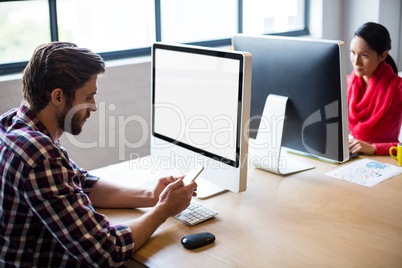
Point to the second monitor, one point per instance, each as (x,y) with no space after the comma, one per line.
(310,75)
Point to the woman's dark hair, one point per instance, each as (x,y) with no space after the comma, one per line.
(58,65)
(378,38)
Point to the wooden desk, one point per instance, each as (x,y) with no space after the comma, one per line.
(302,220)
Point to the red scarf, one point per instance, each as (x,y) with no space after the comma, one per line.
(367,106)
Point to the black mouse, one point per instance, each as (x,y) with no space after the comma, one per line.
(197,240)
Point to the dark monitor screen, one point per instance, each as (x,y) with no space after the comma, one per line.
(311,74)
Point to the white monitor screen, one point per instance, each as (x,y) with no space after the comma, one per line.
(196,103)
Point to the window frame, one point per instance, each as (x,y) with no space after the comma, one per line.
(17,67)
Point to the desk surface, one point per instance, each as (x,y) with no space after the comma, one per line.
(306,219)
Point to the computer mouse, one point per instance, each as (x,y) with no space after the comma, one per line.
(197,240)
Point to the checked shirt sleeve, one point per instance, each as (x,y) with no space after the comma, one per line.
(55,191)
(87,180)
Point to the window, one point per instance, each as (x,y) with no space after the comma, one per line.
(104,25)
(127,28)
(23,26)
(274,17)
(186,21)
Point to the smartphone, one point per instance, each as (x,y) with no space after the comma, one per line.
(193,174)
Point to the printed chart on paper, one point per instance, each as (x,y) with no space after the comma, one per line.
(365,172)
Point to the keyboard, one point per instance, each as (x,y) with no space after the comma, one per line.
(196,213)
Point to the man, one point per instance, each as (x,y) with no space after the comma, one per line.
(46,201)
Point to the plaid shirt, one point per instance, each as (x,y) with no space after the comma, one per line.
(46,217)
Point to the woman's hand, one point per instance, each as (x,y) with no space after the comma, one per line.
(361,147)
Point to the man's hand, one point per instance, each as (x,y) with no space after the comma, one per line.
(160,186)
(176,197)
(108,194)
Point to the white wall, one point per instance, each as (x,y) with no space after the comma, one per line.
(390,17)
(326,19)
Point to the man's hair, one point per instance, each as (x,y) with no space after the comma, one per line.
(58,65)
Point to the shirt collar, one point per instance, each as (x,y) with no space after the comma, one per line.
(26,115)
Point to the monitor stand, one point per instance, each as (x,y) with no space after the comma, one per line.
(265,150)
(207,189)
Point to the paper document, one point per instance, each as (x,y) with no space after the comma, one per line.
(366,172)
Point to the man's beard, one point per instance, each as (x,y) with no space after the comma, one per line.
(73,126)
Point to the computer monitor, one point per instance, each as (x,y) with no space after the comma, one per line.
(200,107)
(310,74)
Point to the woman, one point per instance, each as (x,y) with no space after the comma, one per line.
(374,92)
